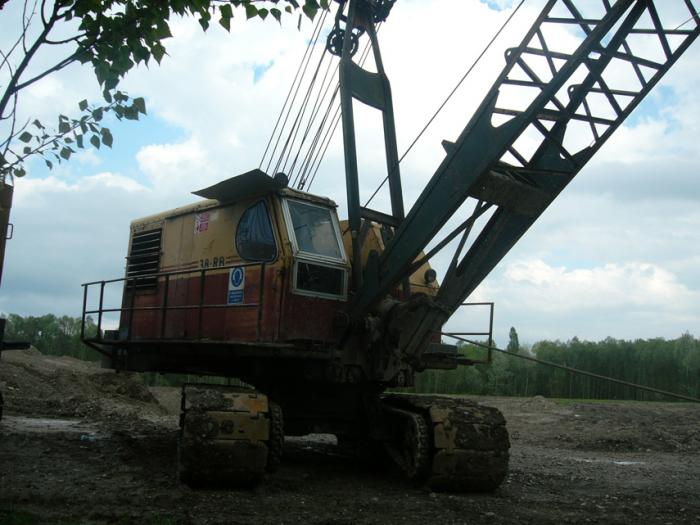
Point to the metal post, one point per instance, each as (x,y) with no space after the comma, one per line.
(99,310)
(201,302)
(164,305)
(261,285)
(490,355)
(352,183)
(82,324)
(132,301)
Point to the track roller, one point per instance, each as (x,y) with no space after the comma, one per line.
(228,436)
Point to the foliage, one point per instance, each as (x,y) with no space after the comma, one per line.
(672,365)
(52,335)
(513,342)
(112,36)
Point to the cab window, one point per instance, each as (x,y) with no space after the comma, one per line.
(314,230)
(254,238)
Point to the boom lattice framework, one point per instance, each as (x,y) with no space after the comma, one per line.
(576,76)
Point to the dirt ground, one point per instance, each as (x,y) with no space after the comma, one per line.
(82,445)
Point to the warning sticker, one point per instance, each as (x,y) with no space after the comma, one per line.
(236,285)
(201,222)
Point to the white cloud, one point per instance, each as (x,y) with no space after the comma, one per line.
(174,167)
(623,236)
(556,289)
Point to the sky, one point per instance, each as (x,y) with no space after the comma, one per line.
(616,255)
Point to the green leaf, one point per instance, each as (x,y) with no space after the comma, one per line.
(49,164)
(25,137)
(38,124)
(97,114)
(226,11)
(130,113)
(19,172)
(106,137)
(65,152)
(83,104)
(63,126)
(225,23)
(250,11)
(26,150)
(161,31)
(95,141)
(276,14)
(310,8)
(262,13)
(140,105)
(157,51)
(79,141)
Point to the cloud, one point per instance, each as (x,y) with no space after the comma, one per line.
(172,167)
(624,300)
(556,289)
(623,235)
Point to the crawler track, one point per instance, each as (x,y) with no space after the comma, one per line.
(469,442)
(228,437)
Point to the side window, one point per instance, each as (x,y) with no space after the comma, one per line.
(254,238)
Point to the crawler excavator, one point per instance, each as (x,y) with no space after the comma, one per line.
(320,318)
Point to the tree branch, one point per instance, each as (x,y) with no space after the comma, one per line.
(59,42)
(11,88)
(63,63)
(13,113)
(27,21)
(43,10)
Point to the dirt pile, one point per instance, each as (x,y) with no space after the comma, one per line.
(36,384)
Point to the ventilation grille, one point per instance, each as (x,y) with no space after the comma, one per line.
(144,258)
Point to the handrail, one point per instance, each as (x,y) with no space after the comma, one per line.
(459,335)
(131,285)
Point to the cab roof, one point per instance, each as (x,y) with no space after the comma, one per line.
(241,187)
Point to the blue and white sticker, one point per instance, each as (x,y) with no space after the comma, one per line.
(236,285)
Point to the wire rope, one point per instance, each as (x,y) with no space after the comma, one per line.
(306,59)
(447,99)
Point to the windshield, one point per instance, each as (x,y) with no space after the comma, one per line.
(314,230)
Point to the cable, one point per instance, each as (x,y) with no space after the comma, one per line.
(335,120)
(302,68)
(454,90)
(289,93)
(576,370)
(291,138)
(326,83)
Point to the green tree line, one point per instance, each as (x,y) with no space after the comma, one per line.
(672,365)
(52,335)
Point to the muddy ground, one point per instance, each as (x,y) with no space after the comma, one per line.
(83,445)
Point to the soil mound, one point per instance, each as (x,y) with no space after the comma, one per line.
(36,384)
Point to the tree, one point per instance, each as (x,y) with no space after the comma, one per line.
(112,36)
(513,343)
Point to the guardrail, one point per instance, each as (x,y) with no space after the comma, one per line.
(459,336)
(163,279)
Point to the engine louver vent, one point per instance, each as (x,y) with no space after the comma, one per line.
(144,258)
